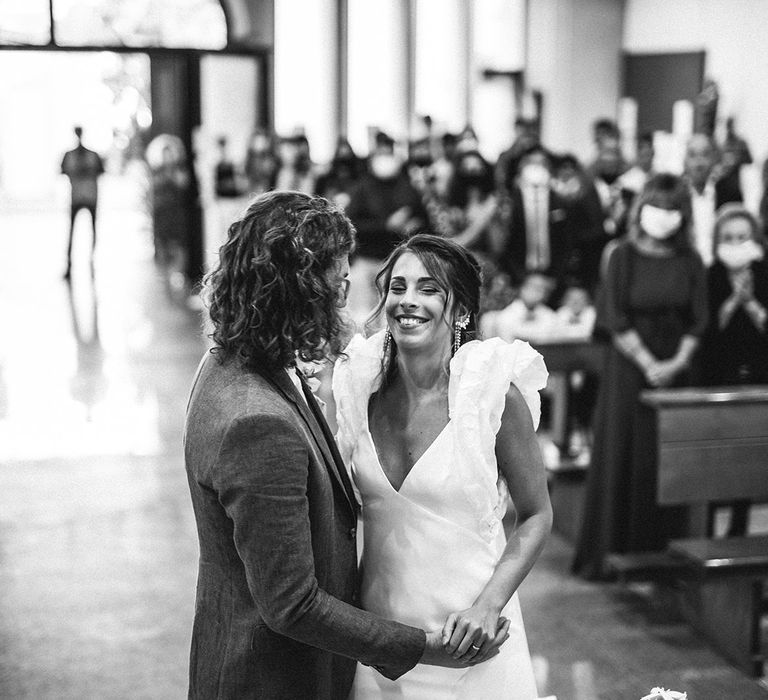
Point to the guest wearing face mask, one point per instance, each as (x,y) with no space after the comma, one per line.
(539,234)
(584,216)
(735,347)
(474,209)
(653,309)
(385,208)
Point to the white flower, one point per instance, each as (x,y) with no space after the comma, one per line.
(662,694)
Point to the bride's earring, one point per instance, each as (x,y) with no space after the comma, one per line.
(458,327)
(387,342)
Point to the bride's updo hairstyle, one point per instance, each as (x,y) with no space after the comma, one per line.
(271,296)
(454,269)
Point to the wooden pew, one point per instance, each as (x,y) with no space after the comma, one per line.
(712,445)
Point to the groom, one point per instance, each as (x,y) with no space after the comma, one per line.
(277,591)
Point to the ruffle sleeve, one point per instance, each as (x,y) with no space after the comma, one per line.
(482,372)
(356,375)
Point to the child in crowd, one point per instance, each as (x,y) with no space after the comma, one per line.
(528,317)
(575,319)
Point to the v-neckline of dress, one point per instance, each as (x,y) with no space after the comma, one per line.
(380,464)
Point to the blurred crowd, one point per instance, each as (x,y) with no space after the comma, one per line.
(665,272)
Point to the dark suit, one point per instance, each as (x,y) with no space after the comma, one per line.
(562,237)
(276,518)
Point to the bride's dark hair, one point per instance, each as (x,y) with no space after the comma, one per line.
(452,266)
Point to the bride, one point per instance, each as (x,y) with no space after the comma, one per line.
(439,431)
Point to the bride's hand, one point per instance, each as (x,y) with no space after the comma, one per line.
(474,634)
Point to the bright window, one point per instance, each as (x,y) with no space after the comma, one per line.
(196,24)
(25,22)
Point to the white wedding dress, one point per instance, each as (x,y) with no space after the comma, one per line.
(430,548)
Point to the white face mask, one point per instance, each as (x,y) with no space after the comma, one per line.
(385,165)
(535,174)
(659,223)
(738,255)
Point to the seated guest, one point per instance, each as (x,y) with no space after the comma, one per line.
(575,318)
(735,349)
(528,317)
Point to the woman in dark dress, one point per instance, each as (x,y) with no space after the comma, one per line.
(653,310)
(735,347)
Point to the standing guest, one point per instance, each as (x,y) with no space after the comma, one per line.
(654,308)
(707,193)
(295,172)
(443,167)
(539,235)
(633,180)
(83,167)
(385,208)
(474,203)
(735,348)
(170,185)
(507,166)
(345,169)
(260,163)
(226,179)
(605,172)
(276,615)
(584,214)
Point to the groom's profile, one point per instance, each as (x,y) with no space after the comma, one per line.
(276,612)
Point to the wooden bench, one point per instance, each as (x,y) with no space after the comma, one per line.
(712,446)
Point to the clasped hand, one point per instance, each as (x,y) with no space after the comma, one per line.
(468,638)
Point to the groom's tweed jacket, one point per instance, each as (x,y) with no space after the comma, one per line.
(276,615)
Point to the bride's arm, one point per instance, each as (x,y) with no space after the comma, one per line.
(520,462)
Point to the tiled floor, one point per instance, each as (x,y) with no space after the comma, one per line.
(97,542)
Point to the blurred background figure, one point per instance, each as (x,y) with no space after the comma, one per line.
(226,177)
(474,208)
(385,208)
(294,165)
(342,175)
(528,317)
(526,136)
(654,309)
(83,167)
(583,211)
(539,232)
(260,163)
(708,193)
(166,157)
(735,347)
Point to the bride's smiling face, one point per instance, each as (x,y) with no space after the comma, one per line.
(415,307)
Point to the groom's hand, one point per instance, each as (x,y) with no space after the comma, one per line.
(436,655)
(473,634)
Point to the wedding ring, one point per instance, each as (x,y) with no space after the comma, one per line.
(475,647)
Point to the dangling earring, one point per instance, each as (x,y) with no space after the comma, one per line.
(387,342)
(458,327)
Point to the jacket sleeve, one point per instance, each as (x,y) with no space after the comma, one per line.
(261,479)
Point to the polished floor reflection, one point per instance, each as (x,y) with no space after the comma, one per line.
(97,542)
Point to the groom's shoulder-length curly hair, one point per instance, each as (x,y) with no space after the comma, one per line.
(272,294)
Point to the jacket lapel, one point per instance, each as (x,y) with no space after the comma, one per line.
(320,432)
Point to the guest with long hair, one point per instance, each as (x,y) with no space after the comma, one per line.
(654,311)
